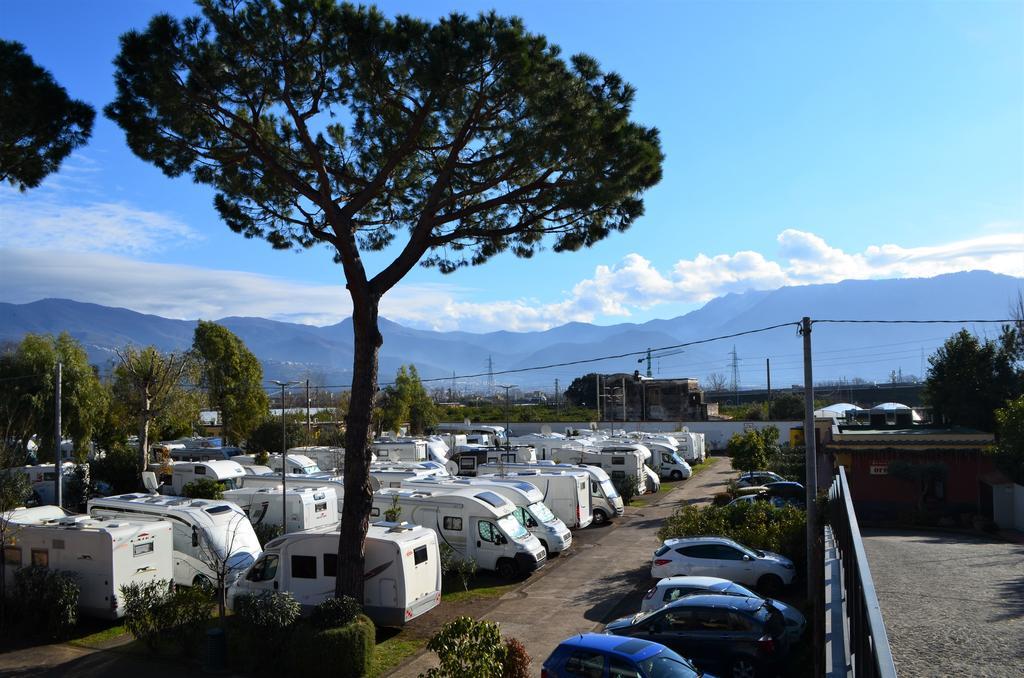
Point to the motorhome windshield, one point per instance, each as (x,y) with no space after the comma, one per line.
(541,512)
(676,459)
(510,526)
(313,468)
(608,489)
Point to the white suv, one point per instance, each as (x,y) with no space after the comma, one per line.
(725,558)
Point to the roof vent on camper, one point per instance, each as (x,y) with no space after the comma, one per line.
(491,498)
(403,526)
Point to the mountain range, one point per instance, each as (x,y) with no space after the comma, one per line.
(842,350)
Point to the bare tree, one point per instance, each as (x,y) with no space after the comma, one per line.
(149,379)
(220,560)
(715,381)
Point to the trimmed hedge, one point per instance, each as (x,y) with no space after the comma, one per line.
(335,612)
(44,601)
(346,650)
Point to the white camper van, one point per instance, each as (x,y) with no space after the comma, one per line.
(104,555)
(204,531)
(402,571)
(476,434)
(531,512)
(466,459)
(327,458)
(337,483)
(566,493)
(220,470)
(477,524)
(605,501)
(393,475)
(42,478)
(405,449)
(298,464)
(620,460)
(196,453)
(309,508)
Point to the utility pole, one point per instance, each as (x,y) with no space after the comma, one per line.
(58,458)
(649,363)
(490,376)
(735,376)
(309,420)
(507,420)
(284,456)
(815,574)
(623,401)
(556,396)
(597,395)
(768,373)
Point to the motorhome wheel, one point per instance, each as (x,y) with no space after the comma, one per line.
(600,517)
(506,568)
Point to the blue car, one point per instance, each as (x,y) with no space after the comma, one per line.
(596,655)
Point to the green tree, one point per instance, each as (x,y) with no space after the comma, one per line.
(14,490)
(266,437)
(233,378)
(148,384)
(787,407)
(969,379)
(467,647)
(754,449)
(27,400)
(1010,439)
(39,123)
(407,402)
(203,488)
(468,137)
(582,392)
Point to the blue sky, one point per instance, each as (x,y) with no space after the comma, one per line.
(804,142)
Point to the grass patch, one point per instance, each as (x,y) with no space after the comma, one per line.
(697,468)
(393,651)
(458,595)
(101,637)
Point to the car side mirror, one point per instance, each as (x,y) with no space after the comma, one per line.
(195,538)
(746,557)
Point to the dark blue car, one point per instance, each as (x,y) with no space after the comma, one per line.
(596,655)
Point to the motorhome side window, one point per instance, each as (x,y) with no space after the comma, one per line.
(142,549)
(330,564)
(467,463)
(321,506)
(419,555)
(265,569)
(618,461)
(618,475)
(304,567)
(453,524)
(12,555)
(40,558)
(375,511)
(199,470)
(487,531)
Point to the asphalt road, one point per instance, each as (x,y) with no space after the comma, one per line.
(953,604)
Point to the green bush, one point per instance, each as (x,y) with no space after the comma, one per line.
(467,647)
(335,612)
(117,470)
(722,499)
(266,532)
(454,565)
(628,487)
(268,619)
(158,610)
(45,600)
(203,488)
(758,525)
(347,650)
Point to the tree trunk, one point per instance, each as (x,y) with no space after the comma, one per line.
(144,437)
(358,494)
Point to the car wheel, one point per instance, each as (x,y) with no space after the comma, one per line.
(545,545)
(743,668)
(770,584)
(675,475)
(600,517)
(506,568)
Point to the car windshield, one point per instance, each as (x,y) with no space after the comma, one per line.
(511,527)
(667,664)
(541,512)
(737,590)
(609,490)
(311,469)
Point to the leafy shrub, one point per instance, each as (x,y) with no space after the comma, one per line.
(454,565)
(267,619)
(203,488)
(267,532)
(117,471)
(262,458)
(628,487)
(467,647)
(348,650)
(142,603)
(157,610)
(517,660)
(722,499)
(335,612)
(46,601)
(758,525)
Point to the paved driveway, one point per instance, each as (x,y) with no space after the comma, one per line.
(952,604)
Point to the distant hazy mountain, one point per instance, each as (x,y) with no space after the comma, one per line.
(324,354)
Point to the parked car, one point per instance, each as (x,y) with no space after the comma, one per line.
(751,478)
(738,636)
(597,655)
(671,589)
(725,558)
(787,489)
(777,502)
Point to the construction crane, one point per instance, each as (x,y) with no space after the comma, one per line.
(658,354)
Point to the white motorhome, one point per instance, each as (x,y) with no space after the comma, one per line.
(198,453)
(227,473)
(476,434)
(466,459)
(619,460)
(256,470)
(298,464)
(42,478)
(309,508)
(337,483)
(666,461)
(205,531)
(477,524)
(393,475)
(566,493)
(531,512)
(328,458)
(103,555)
(691,446)
(605,501)
(402,571)
(551,446)
(404,449)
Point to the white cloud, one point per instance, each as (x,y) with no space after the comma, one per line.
(46,221)
(613,292)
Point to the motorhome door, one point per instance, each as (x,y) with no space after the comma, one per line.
(489,542)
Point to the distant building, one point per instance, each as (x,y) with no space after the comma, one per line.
(625,398)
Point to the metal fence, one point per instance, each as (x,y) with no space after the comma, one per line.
(868,643)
